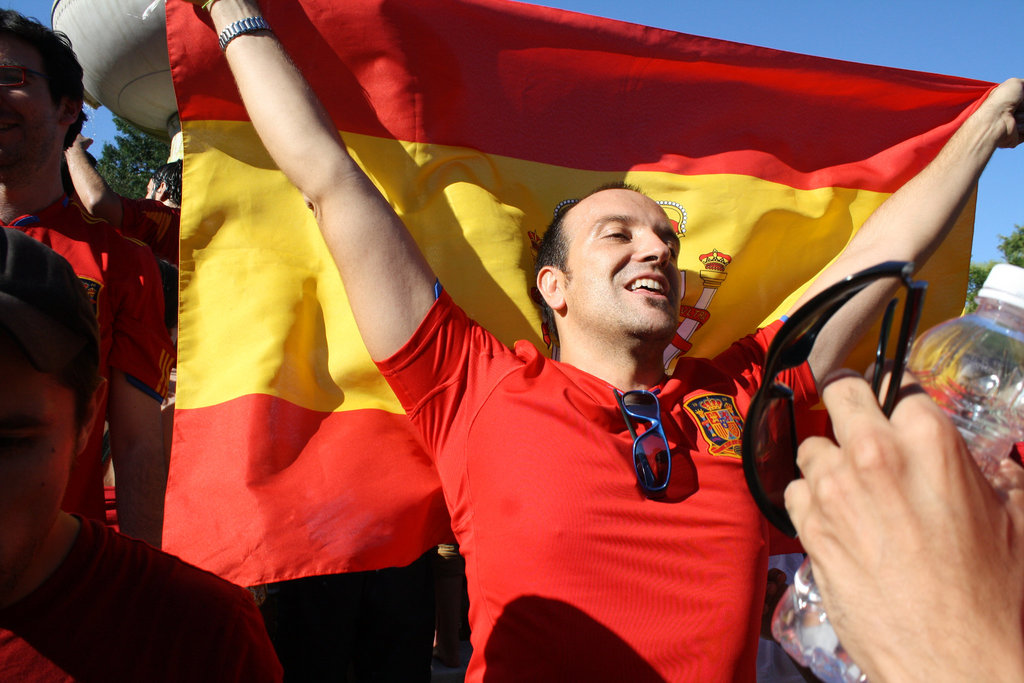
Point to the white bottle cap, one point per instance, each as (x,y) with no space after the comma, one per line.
(1004,283)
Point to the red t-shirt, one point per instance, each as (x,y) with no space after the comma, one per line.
(123,282)
(118,610)
(154,223)
(573,574)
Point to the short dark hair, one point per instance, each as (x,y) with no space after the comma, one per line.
(554,246)
(64,73)
(170,176)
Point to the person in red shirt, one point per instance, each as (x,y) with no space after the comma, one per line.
(154,219)
(585,560)
(78,601)
(40,114)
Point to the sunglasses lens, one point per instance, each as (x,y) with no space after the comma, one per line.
(641,404)
(650,455)
(775,451)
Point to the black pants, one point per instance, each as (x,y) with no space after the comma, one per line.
(363,626)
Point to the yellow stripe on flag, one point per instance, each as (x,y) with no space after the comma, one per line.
(471,214)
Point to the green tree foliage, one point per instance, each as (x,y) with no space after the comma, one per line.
(1011,247)
(127,164)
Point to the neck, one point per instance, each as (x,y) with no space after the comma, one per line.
(625,367)
(19,197)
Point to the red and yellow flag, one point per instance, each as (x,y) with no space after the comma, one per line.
(475,119)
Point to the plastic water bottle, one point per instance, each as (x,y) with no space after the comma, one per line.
(803,629)
(972,366)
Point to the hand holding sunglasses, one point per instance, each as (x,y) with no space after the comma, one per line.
(770,430)
(920,556)
(770,449)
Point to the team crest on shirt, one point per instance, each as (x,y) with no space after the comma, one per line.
(719,422)
(92,288)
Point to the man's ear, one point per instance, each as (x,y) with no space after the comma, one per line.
(69,111)
(551,284)
(161,193)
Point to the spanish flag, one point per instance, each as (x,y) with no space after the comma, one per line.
(476,118)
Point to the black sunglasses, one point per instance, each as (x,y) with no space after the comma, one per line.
(769,432)
(652,459)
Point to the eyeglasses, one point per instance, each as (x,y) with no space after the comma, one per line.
(12,76)
(769,432)
(652,459)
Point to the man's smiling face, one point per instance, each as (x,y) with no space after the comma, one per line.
(622,278)
(32,126)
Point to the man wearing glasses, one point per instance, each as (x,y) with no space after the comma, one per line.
(605,539)
(40,114)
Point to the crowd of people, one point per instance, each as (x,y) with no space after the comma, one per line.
(578,565)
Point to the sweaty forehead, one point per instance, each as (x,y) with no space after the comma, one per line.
(620,204)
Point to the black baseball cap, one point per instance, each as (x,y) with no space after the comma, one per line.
(43,304)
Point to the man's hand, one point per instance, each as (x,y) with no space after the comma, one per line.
(81,142)
(1004,106)
(919,560)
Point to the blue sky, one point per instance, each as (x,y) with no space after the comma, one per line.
(981,39)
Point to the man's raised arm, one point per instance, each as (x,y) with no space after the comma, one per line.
(388,282)
(912,223)
(96,196)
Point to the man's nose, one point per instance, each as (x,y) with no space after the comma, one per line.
(653,248)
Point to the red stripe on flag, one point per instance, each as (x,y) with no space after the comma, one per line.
(308,496)
(532,83)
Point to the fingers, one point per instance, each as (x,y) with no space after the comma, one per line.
(868,452)
(797,499)
(1008,479)
(852,407)
(1007,98)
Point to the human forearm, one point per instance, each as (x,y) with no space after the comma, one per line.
(911,224)
(914,221)
(287,115)
(917,217)
(140,468)
(93,191)
(388,282)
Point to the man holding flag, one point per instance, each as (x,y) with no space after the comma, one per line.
(579,565)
